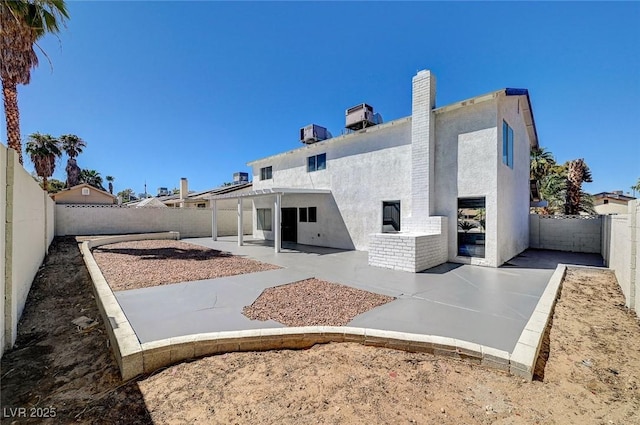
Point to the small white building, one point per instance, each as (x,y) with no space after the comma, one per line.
(448,183)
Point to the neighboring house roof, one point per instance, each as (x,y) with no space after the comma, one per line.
(203,195)
(526,109)
(149,203)
(614,195)
(80,187)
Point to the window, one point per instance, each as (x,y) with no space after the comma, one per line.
(312,215)
(308,215)
(391,216)
(264,218)
(86,191)
(266,173)
(606,201)
(201,205)
(472,215)
(507,144)
(317,162)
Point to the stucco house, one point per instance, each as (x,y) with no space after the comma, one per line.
(84,194)
(615,202)
(448,183)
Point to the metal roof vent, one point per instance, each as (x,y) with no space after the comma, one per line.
(313,133)
(361,116)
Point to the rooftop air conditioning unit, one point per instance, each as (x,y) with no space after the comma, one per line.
(313,133)
(240,177)
(361,116)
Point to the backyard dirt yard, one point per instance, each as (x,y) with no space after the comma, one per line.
(591,376)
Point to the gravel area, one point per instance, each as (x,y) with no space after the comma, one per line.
(313,302)
(142,264)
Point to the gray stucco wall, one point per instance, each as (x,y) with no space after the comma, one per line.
(465,166)
(513,195)
(363,169)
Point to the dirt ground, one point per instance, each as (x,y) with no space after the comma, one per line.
(591,375)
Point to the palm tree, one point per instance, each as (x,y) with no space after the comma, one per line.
(43,149)
(636,188)
(577,173)
(92,178)
(73,146)
(22,24)
(126,195)
(541,163)
(553,190)
(110,179)
(465,226)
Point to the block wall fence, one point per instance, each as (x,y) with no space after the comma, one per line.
(615,237)
(26,231)
(114,220)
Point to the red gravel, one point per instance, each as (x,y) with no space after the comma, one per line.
(313,302)
(141,264)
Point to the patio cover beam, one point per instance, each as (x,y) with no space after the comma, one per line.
(277,193)
(214,220)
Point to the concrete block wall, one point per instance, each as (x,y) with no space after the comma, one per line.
(621,236)
(26,223)
(566,233)
(111,220)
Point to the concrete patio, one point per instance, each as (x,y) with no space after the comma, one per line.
(483,305)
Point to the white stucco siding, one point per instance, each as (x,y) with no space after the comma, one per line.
(465,166)
(513,183)
(362,170)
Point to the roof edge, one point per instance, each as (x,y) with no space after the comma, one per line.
(525,92)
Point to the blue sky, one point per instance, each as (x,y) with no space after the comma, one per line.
(163,90)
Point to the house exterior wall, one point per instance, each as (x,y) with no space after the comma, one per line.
(329,230)
(427,162)
(513,196)
(615,206)
(363,170)
(466,166)
(75,196)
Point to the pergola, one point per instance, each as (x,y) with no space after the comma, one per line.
(276,193)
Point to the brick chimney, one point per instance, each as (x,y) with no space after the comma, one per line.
(184,190)
(422,150)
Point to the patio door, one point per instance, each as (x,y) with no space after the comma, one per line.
(290,225)
(471,227)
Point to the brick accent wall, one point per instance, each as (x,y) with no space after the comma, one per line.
(411,252)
